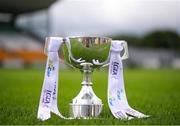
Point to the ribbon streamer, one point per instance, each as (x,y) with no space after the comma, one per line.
(48,99)
(117,99)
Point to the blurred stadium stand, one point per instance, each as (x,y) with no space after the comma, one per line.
(18,48)
(153,58)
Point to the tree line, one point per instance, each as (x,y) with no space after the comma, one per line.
(156,39)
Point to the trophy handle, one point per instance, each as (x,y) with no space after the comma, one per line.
(124,56)
(125,48)
(48,46)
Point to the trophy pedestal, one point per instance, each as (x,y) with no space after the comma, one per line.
(85,111)
(86,104)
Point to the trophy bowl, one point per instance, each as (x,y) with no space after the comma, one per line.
(87,50)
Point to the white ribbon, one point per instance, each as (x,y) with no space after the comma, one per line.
(116,93)
(48,99)
(117,99)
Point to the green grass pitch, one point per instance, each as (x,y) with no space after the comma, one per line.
(153,92)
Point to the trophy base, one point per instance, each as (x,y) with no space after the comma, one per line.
(85,111)
(86,104)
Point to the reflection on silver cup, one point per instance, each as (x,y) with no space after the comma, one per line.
(87,49)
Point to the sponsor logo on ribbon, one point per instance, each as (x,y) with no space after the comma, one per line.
(54,92)
(115,66)
(119,93)
(111,99)
(50,68)
(47,96)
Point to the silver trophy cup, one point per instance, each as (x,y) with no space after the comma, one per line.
(87,54)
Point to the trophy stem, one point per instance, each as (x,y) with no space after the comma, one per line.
(87,71)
